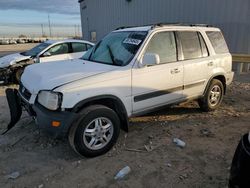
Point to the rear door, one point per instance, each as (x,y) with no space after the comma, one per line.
(78,50)
(160,84)
(197,62)
(57,52)
(222,57)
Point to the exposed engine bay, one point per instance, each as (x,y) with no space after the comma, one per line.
(12,74)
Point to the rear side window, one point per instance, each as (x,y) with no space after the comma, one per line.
(89,46)
(79,47)
(204,49)
(190,44)
(218,42)
(164,45)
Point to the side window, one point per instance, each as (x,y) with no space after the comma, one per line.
(59,49)
(89,46)
(204,49)
(79,47)
(190,44)
(164,45)
(218,42)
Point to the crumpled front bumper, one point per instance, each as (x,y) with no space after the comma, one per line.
(44,118)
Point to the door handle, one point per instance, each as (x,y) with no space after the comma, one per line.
(175,71)
(210,64)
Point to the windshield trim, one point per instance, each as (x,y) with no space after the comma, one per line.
(46,46)
(129,61)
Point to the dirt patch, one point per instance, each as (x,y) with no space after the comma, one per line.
(211,139)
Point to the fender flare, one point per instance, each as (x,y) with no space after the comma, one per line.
(209,81)
(119,107)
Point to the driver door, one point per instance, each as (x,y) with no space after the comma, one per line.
(157,85)
(58,52)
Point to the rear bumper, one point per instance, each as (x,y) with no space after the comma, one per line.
(229,78)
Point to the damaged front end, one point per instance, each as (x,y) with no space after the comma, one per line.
(16,106)
(6,76)
(12,74)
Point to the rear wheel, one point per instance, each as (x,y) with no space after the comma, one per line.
(213,96)
(95,132)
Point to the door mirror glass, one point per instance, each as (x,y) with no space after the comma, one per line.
(150,59)
(46,54)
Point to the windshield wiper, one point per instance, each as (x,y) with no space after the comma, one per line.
(94,49)
(111,55)
(114,60)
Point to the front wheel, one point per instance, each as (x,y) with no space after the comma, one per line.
(213,96)
(96,131)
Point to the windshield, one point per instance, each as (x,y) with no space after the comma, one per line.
(117,48)
(36,50)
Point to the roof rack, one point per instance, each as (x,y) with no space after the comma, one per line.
(166,24)
(152,25)
(124,27)
(181,24)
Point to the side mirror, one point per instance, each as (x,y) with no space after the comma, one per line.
(46,54)
(150,59)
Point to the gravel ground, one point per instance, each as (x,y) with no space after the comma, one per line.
(211,139)
(35,160)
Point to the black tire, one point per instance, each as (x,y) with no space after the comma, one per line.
(76,134)
(206,103)
(18,74)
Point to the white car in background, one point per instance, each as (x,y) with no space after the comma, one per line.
(12,66)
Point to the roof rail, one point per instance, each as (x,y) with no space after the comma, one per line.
(201,25)
(124,27)
(152,25)
(182,24)
(166,24)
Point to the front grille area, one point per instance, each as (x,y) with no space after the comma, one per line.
(24,92)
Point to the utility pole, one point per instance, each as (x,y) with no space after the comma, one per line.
(79,33)
(49,26)
(42,30)
(75,31)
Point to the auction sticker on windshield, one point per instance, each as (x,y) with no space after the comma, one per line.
(132,41)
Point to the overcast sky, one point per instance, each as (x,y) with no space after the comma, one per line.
(26,17)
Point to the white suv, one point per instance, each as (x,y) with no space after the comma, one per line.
(129,72)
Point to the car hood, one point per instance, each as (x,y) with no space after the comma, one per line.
(47,76)
(12,59)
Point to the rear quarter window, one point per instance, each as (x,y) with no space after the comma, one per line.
(218,42)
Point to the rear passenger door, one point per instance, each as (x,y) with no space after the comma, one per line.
(196,61)
(78,50)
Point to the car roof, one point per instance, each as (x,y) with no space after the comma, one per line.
(169,26)
(67,40)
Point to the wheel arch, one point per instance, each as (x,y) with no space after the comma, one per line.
(110,101)
(220,77)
